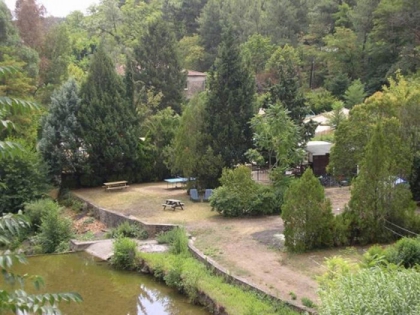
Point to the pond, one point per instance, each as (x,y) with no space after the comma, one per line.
(104,290)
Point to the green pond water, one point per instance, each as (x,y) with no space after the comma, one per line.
(105,291)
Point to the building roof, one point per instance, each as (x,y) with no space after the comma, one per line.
(318,147)
(192,73)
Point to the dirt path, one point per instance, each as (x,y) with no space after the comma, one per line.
(248,247)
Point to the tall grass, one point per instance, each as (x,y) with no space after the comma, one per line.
(374,291)
(176,239)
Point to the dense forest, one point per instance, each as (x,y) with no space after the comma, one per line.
(111,85)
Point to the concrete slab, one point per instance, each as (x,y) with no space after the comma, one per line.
(103,249)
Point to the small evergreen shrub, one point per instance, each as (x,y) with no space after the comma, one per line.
(124,254)
(405,252)
(54,230)
(35,210)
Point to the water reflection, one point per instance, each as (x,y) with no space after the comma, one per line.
(106,291)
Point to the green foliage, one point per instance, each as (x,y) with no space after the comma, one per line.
(36,210)
(124,253)
(60,144)
(355,94)
(108,125)
(375,198)
(156,67)
(307,215)
(55,231)
(293,295)
(338,85)
(320,100)
(337,267)
(276,134)
(130,230)
(229,104)
(189,154)
(191,52)
(176,239)
(240,195)
(374,256)
(405,252)
(256,51)
(22,178)
(337,115)
(374,291)
(308,302)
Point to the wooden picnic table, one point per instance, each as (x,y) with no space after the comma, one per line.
(116,185)
(173,203)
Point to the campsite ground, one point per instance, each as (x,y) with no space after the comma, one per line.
(249,247)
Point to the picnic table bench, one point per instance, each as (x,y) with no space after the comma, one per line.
(116,185)
(173,203)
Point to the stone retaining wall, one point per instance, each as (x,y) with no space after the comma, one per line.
(112,219)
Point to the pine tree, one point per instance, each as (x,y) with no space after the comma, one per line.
(60,143)
(108,124)
(307,215)
(156,67)
(230,104)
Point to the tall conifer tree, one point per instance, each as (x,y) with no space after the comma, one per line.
(60,143)
(156,67)
(230,103)
(108,123)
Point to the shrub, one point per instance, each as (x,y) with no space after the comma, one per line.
(23,178)
(176,239)
(241,195)
(374,256)
(307,215)
(35,210)
(54,230)
(124,254)
(405,252)
(67,200)
(128,229)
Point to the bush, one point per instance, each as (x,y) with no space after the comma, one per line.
(54,231)
(177,240)
(129,230)
(307,215)
(240,195)
(23,177)
(35,210)
(375,256)
(68,201)
(405,252)
(124,254)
